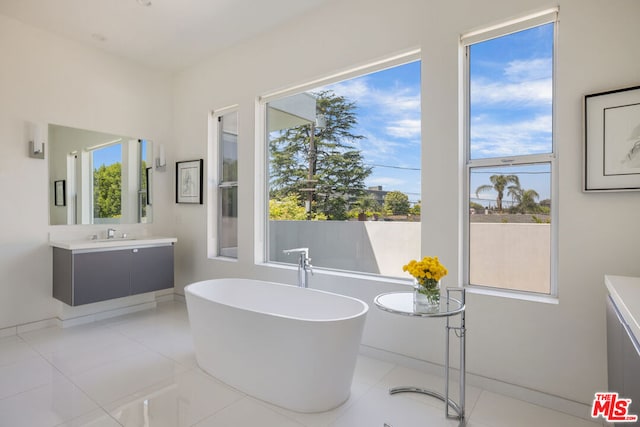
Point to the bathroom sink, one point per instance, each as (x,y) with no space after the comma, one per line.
(115,239)
(112,243)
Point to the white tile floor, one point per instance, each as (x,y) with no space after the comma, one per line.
(140,370)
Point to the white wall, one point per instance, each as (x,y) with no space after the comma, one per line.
(47,79)
(555,348)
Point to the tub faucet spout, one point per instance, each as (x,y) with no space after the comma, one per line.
(304,265)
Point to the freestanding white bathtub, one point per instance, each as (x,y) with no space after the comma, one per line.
(293,347)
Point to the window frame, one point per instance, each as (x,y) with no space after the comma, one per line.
(466,41)
(261,246)
(216,183)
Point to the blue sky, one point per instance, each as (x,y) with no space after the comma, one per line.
(511,106)
(112,154)
(511,111)
(388,109)
(107,155)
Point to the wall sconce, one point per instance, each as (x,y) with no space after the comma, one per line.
(36,141)
(161,160)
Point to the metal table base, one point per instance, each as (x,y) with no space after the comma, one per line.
(460,332)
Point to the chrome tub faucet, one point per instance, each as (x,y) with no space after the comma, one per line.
(304,265)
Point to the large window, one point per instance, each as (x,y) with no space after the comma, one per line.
(510,156)
(344,171)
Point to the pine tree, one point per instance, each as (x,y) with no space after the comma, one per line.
(328,154)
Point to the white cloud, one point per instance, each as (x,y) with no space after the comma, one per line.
(355,90)
(405,128)
(529,93)
(375,149)
(396,109)
(524,83)
(528,70)
(491,139)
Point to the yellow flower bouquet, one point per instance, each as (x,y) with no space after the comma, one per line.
(427,274)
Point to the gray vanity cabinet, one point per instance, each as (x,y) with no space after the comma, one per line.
(99,276)
(615,334)
(151,269)
(86,276)
(623,359)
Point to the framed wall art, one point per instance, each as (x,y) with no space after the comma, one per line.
(612,140)
(60,193)
(189,181)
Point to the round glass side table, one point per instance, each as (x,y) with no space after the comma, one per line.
(402,303)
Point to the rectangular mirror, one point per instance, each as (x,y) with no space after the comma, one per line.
(98,178)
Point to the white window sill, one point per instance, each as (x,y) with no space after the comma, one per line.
(341,273)
(223,258)
(505,293)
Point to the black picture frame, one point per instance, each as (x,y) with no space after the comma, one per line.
(189,181)
(612,140)
(60,192)
(149,178)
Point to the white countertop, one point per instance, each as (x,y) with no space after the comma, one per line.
(111,243)
(625,292)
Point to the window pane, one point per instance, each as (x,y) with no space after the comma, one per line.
(228,189)
(511,89)
(229,140)
(344,172)
(229,221)
(107,184)
(510,227)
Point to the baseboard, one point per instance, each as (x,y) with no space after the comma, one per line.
(89,318)
(26,327)
(179,298)
(539,398)
(107,314)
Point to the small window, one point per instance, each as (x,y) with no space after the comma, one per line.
(510,157)
(226,198)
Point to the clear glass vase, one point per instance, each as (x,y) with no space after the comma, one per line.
(426,297)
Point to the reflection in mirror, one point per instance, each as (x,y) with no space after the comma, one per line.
(106,177)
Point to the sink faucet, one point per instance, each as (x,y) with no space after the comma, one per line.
(304,265)
(111,233)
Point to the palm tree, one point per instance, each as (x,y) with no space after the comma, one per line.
(364,204)
(525,199)
(499,184)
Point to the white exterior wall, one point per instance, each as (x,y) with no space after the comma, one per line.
(513,256)
(555,348)
(363,246)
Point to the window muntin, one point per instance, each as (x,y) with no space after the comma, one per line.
(334,153)
(510,150)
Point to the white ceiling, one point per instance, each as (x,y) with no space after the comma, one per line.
(169,34)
